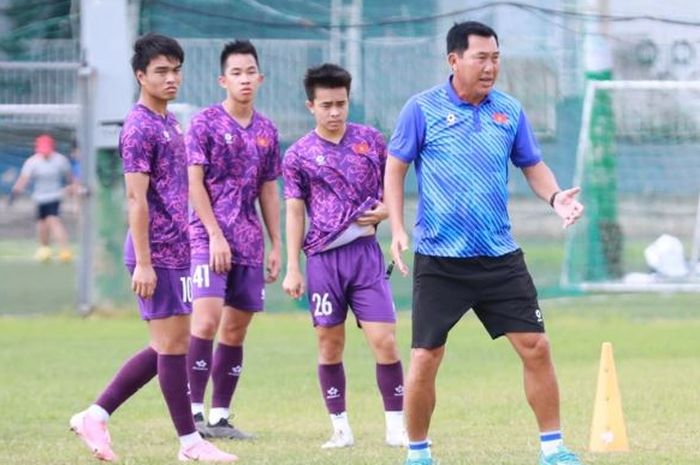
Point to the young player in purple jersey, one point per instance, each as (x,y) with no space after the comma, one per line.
(334,174)
(156,252)
(233,158)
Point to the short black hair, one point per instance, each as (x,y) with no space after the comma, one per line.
(238,47)
(147,47)
(458,35)
(326,76)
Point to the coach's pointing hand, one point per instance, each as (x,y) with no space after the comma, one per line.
(399,244)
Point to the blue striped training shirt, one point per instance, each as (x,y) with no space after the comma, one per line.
(461,154)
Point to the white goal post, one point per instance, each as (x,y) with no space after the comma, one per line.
(638,163)
(52,82)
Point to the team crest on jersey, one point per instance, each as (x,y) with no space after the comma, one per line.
(166,134)
(228,138)
(320,160)
(361,148)
(451,119)
(500,118)
(262,141)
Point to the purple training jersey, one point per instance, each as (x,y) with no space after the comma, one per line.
(154,144)
(237,161)
(338,182)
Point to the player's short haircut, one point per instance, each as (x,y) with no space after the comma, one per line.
(238,47)
(458,35)
(151,46)
(326,76)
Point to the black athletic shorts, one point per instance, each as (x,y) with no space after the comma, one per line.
(499,289)
(47,209)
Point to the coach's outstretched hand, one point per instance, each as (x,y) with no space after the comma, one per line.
(399,244)
(567,206)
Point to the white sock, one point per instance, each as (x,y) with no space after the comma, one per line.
(550,441)
(197,408)
(419,450)
(340,422)
(394,422)
(189,439)
(98,413)
(216,414)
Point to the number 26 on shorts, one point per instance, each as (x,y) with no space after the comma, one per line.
(323,307)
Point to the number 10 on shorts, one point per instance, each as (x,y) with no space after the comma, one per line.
(323,306)
(186,282)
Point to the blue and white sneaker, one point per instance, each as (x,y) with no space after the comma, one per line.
(562,456)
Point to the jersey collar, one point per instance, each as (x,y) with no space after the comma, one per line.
(454,98)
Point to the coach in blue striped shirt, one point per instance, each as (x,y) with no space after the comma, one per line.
(461,136)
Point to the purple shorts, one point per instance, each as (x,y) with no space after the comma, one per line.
(243,287)
(173,294)
(353,275)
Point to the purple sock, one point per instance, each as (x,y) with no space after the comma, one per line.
(390,382)
(172,375)
(134,374)
(227,367)
(198,367)
(332,379)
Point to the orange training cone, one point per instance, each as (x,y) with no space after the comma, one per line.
(608,432)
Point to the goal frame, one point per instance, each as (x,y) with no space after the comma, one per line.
(80,116)
(691,283)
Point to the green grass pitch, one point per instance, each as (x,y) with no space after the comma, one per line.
(55,365)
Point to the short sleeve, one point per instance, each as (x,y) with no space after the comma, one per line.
(407,140)
(273,164)
(525,151)
(65,166)
(380,147)
(136,150)
(294,179)
(28,167)
(196,141)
